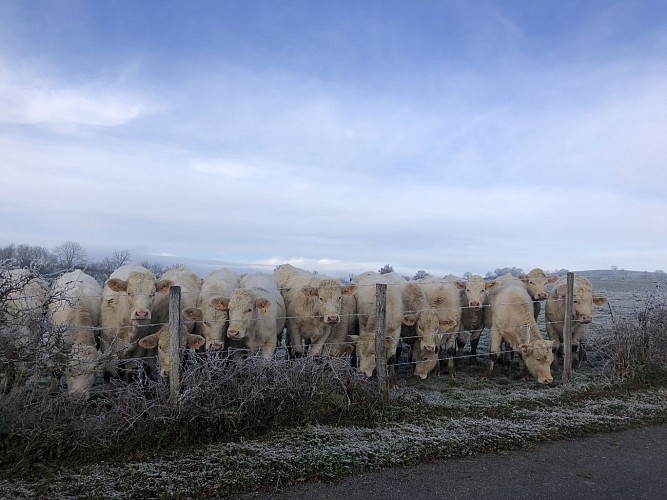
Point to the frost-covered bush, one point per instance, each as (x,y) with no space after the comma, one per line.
(220,400)
(637,347)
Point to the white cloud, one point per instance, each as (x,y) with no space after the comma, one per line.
(30,98)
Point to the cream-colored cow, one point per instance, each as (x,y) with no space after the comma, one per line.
(582,313)
(257,314)
(23,297)
(211,314)
(365,295)
(74,314)
(513,322)
(313,304)
(127,302)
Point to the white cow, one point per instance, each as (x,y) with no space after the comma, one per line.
(211,313)
(338,343)
(444,297)
(190,285)
(536,282)
(513,321)
(419,319)
(313,304)
(582,313)
(23,297)
(127,301)
(257,314)
(74,313)
(473,301)
(365,294)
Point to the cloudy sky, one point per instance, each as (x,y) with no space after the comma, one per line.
(449,136)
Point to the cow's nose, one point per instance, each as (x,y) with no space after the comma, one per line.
(142,314)
(474,303)
(215,346)
(232,334)
(541,296)
(332,319)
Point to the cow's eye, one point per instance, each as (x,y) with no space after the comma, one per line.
(249,310)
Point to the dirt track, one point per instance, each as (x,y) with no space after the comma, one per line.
(623,465)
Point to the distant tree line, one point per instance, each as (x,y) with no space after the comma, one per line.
(68,256)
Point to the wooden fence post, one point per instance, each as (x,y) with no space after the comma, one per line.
(175,341)
(567,329)
(380,350)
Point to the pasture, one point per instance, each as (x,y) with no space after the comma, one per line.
(336,425)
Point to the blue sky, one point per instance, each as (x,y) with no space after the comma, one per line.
(449,136)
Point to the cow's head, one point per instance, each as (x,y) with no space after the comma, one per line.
(536,282)
(244,308)
(583,302)
(140,288)
(425,362)
(213,319)
(538,355)
(428,330)
(162,341)
(475,291)
(327,297)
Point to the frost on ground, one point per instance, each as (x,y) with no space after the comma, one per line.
(327,452)
(454,418)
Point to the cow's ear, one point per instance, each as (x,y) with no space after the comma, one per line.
(149,341)
(525,349)
(162,286)
(491,285)
(349,289)
(117,285)
(552,279)
(348,349)
(449,324)
(309,291)
(388,342)
(262,305)
(460,284)
(599,301)
(192,314)
(220,303)
(523,277)
(195,341)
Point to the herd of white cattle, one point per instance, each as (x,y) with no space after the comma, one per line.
(123,326)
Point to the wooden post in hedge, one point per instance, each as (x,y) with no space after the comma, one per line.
(380,350)
(567,329)
(175,341)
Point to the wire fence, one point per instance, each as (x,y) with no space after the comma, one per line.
(633,301)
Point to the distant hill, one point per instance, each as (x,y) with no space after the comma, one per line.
(622,275)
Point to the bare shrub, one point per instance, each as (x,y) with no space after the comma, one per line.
(636,352)
(220,400)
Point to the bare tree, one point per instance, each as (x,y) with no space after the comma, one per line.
(71,254)
(35,257)
(420,274)
(386,269)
